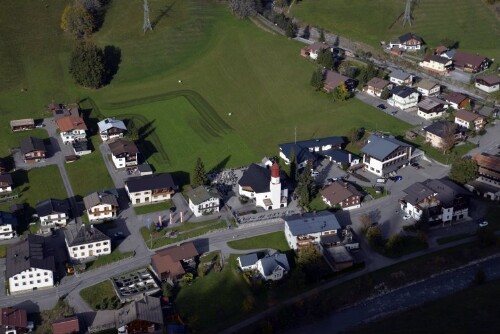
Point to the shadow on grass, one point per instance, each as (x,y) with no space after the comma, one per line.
(181,179)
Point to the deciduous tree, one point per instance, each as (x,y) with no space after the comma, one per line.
(463,170)
(87,65)
(243,8)
(77,20)
(448,140)
(385,94)
(341,93)
(325,59)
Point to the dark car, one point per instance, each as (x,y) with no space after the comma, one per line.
(382,106)
(172,209)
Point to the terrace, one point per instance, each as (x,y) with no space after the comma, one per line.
(134,285)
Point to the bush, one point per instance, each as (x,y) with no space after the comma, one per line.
(87,65)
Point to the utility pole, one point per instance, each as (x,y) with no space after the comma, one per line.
(407,14)
(147,24)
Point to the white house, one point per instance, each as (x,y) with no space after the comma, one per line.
(150,189)
(87,242)
(30,264)
(408,42)
(313,50)
(203,201)
(489,84)
(263,185)
(8,223)
(401,78)
(469,120)
(431,108)
(53,213)
(376,86)
(309,228)
(273,267)
(436,64)
(123,153)
(306,151)
(248,262)
(72,128)
(81,147)
(6,184)
(428,87)
(101,205)
(342,157)
(403,97)
(111,128)
(383,155)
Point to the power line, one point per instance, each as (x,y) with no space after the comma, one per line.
(147,24)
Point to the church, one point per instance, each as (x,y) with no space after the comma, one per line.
(264,186)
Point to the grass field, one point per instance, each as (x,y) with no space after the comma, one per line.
(145,209)
(468,21)
(103,260)
(275,240)
(469,311)
(101,296)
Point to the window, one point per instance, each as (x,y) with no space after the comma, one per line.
(16,284)
(46,280)
(38,281)
(90,246)
(31,282)
(46,273)
(82,247)
(15,278)
(98,244)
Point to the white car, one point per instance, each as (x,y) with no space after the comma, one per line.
(483,224)
(406,217)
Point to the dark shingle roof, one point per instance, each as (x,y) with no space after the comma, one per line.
(403,91)
(120,146)
(312,223)
(400,75)
(301,148)
(381,147)
(437,59)
(8,218)
(31,144)
(200,194)
(52,205)
(6,178)
(101,197)
(248,260)
(86,234)
(342,156)
(81,146)
(257,178)
(439,128)
(33,252)
(269,263)
(147,309)
(406,37)
(151,182)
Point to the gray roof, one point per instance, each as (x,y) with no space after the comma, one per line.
(301,148)
(109,123)
(81,146)
(398,74)
(403,91)
(51,205)
(8,218)
(269,263)
(257,178)
(340,254)
(380,147)
(200,194)
(429,103)
(248,260)
(101,197)
(441,127)
(151,182)
(147,309)
(342,156)
(312,223)
(446,191)
(416,193)
(32,252)
(85,235)
(31,144)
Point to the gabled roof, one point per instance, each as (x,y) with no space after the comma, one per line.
(109,123)
(378,83)
(426,84)
(68,325)
(342,156)
(403,91)
(85,235)
(429,103)
(487,161)
(301,149)
(168,260)
(312,223)
(69,123)
(248,260)
(101,197)
(31,144)
(334,79)
(13,317)
(463,59)
(51,206)
(269,263)
(147,309)
(121,146)
(81,146)
(454,97)
(151,182)
(338,192)
(400,75)
(200,194)
(416,193)
(380,147)
(257,178)
(442,189)
(467,115)
(8,218)
(437,59)
(490,79)
(33,252)
(6,178)
(441,127)
(408,36)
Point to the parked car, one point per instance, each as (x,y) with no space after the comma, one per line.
(483,223)
(406,217)
(314,173)
(394,112)
(172,209)
(397,178)
(382,106)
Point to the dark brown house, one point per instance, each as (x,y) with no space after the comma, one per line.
(169,263)
(342,194)
(470,62)
(33,150)
(13,320)
(334,79)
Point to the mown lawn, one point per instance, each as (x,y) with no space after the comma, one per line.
(275,240)
(456,153)
(101,296)
(145,209)
(103,260)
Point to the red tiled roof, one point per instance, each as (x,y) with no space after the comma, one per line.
(69,123)
(66,326)
(168,260)
(13,317)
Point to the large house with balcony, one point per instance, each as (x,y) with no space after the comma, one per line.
(263,185)
(308,151)
(101,205)
(124,153)
(489,83)
(457,100)
(6,184)
(436,64)
(8,223)
(53,214)
(72,129)
(428,87)
(203,201)
(437,200)
(111,128)
(408,42)
(431,107)
(150,189)
(383,155)
(376,86)
(488,182)
(309,228)
(470,62)
(469,120)
(30,264)
(403,97)
(341,194)
(33,150)
(86,242)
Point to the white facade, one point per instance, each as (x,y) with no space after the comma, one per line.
(54,219)
(435,66)
(122,162)
(407,82)
(82,252)
(429,92)
(276,275)
(274,199)
(31,279)
(446,215)
(73,135)
(5,190)
(209,206)
(6,232)
(430,115)
(405,46)
(404,102)
(463,123)
(376,166)
(247,268)
(488,89)
(294,241)
(147,197)
(101,212)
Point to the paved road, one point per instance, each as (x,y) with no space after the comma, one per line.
(489,142)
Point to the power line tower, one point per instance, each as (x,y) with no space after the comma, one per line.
(147,24)
(407,14)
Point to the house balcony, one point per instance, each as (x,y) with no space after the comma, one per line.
(162,192)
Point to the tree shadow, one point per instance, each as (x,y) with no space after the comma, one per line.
(181,179)
(99,14)
(307,32)
(221,165)
(20,177)
(147,149)
(112,60)
(163,13)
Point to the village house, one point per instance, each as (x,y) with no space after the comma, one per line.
(124,153)
(376,86)
(72,129)
(469,120)
(143,316)
(69,325)
(101,205)
(30,264)
(22,124)
(334,79)
(342,157)
(264,186)
(489,83)
(111,128)
(60,110)
(273,267)
(385,154)
(8,224)
(403,97)
(439,132)
(469,62)
(487,184)
(440,50)
(342,194)
(170,264)
(440,200)
(247,262)
(53,214)
(81,147)
(430,107)
(203,201)
(457,100)
(33,150)
(150,189)
(6,184)
(436,64)
(13,321)
(428,88)
(86,242)
(309,228)
(313,50)
(308,151)
(407,42)
(401,78)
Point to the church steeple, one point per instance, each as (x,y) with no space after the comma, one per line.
(275,173)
